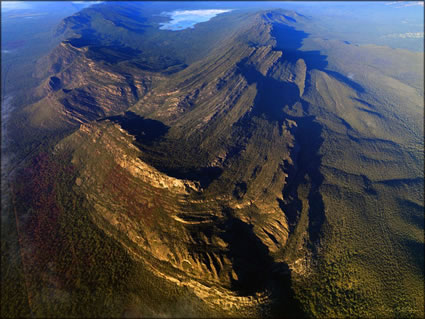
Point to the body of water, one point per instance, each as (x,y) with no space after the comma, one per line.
(183,19)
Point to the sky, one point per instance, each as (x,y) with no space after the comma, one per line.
(7,6)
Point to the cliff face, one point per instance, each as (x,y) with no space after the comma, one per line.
(162,221)
(186,170)
(207,217)
(78,88)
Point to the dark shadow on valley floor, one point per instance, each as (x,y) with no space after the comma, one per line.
(289,41)
(150,139)
(146,131)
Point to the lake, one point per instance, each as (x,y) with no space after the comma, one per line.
(183,19)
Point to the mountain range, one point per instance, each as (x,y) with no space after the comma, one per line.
(243,167)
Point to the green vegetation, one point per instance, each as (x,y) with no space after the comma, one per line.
(71,267)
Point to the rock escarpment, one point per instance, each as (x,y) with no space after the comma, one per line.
(186,171)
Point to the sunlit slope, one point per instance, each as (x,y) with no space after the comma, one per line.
(110,57)
(372,190)
(235,192)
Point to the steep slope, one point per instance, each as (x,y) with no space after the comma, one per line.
(110,56)
(80,90)
(186,230)
(372,162)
